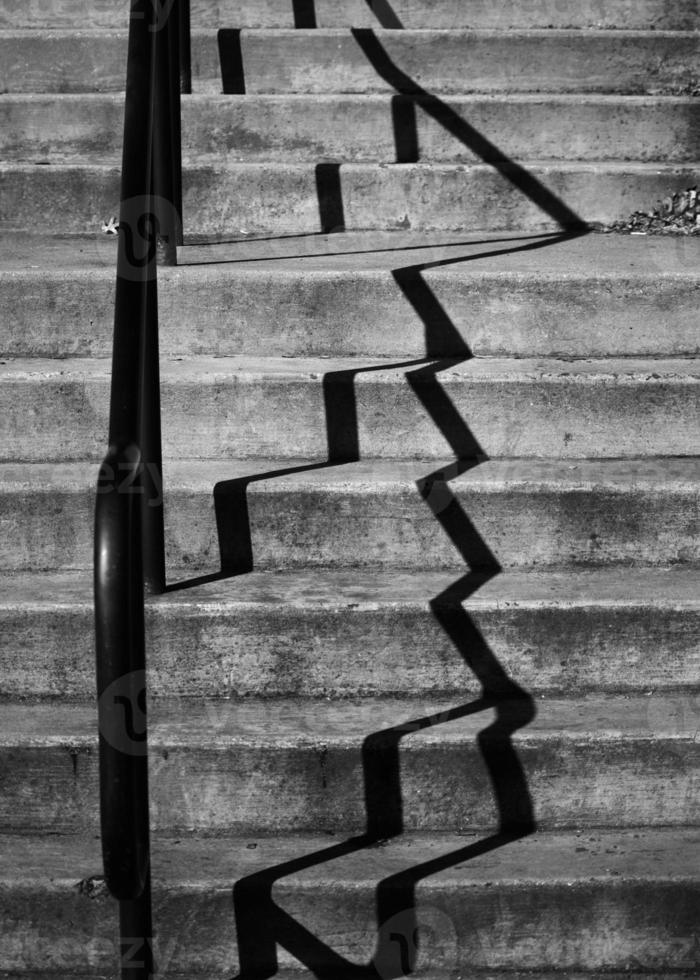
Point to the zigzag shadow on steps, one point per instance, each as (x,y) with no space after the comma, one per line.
(540,240)
(445,348)
(261,924)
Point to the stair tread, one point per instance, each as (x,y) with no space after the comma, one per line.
(283,198)
(248,368)
(70,128)
(280,13)
(309,512)
(378,60)
(212,162)
(306,633)
(233,100)
(524,909)
(302,34)
(551,857)
(269,475)
(602,257)
(370,407)
(291,723)
(676,588)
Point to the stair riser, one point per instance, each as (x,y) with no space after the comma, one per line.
(378,527)
(225,312)
(319,653)
(321,62)
(360,128)
(318,785)
(589,927)
(443,14)
(312,62)
(284,199)
(246,416)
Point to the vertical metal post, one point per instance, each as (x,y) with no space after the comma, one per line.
(174,85)
(162,185)
(135,255)
(151,478)
(136,929)
(185,47)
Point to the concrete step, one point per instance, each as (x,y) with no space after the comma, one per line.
(391,765)
(339,633)
(350,408)
(272,515)
(619,905)
(65,128)
(392,294)
(278,199)
(444,14)
(322,61)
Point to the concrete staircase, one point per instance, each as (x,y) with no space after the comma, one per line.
(425,693)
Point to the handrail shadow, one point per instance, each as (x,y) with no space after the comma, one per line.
(445,115)
(540,238)
(261,923)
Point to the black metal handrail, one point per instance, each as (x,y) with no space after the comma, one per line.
(129,536)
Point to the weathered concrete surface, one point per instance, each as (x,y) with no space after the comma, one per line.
(527,512)
(599,900)
(260,408)
(321,61)
(270,198)
(318,61)
(342,634)
(62,60)
(562,905)
(338,295)
(280,766)
(61,128)
(445,14)
(285,199)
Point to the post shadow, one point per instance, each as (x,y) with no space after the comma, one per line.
(405,127)
(231,61)
(304,12)
(330,198)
